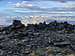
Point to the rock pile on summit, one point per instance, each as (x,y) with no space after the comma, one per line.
(20,40)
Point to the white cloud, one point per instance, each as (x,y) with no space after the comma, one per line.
(37,8)
(17,4)
(9,2)
(70,5)
(31,6)
(23,4)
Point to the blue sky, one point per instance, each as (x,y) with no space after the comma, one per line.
(29,7)
(35,7)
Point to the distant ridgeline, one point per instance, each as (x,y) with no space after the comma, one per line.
(64,27)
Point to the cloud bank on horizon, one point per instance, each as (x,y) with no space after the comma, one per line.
(36,8)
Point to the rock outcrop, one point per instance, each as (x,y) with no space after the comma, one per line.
(20,40)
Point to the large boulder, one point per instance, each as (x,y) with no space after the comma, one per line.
(17,24)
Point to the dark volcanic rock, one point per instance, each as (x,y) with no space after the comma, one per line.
(17,24)
(19,40)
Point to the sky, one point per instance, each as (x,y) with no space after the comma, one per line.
(35,8)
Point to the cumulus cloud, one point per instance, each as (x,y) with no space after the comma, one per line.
(29,6)
(35,8)
(22,4)
(69,5)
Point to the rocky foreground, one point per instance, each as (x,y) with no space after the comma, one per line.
(53,39)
